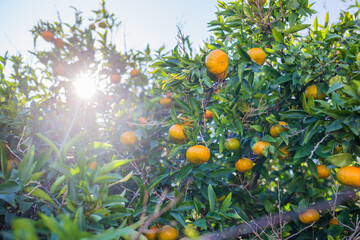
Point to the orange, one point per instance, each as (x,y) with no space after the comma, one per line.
(217,61)
(177,134)
(338,148)
(257,2)
(165,101)
(115,78)
(232,144)
(93,165)
(275,130)
(312,91)
(47,36)
(59,43)
(198,154)
(323,172)
(257,55)
(221,76)
(284,151)
(59,69)
(167,232)
(134,73)
(142,120)
(168,94)
(349,176)
(259,147)
(128,138)
(208,114)
(151,233)
(309,216)
(333,221)
(102,24)
(244,165)
(92,26)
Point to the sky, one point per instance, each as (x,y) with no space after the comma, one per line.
(143,21)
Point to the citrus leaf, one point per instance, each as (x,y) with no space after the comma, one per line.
(212,198)
(340,159)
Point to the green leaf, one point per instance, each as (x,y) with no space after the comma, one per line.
(297,28)
(27,166)
(179,218)
(221,172)
(52,145)
(212,198)
(277,36)
(37,192)
(57,184)
(113,165)
(9,187)
(24,229)
(340,159)
(184,172)
(156,180)
(201,223)
(312,167)
(175,150)
(72,142)
(226,203)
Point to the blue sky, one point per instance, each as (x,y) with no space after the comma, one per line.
(143,21)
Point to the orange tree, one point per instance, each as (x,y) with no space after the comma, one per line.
(65,159)
(289,93)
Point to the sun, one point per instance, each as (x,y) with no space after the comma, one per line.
(85,85)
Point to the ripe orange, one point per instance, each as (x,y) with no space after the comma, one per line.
(177,134)
(312,91)
(232,144)
(59,43)
(323,172)
(165,101)
(259,147)
(333,221)
(93,165)
(217,61)
(257,2)
(275,130)
(309,216)
(128,138)
(92,26)
(167,232)
(47,36)
(134,73)
(221,76)
(338,148)
(59,69)
(102,24)
(284,151)
(198,154)
(115,78)
(142,120)
(151,233)
(349,176)
(244,165)
(257,55)
(208,114)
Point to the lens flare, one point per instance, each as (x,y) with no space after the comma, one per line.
(85,85)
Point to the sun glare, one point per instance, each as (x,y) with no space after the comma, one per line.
(85,85)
